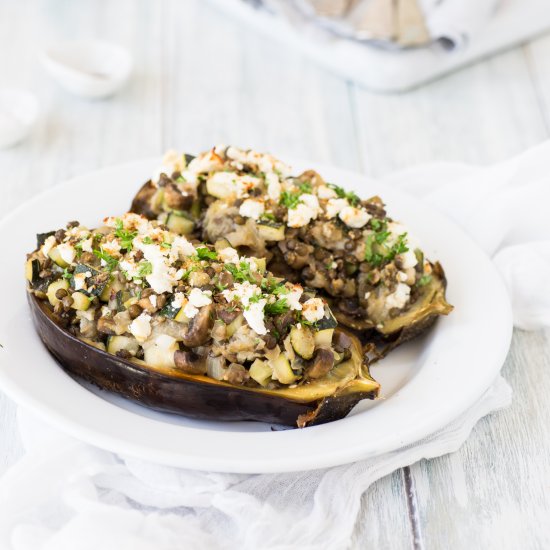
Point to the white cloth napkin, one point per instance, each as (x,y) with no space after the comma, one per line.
(64,494)
(463,31)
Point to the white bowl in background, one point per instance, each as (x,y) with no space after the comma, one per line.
(90,69)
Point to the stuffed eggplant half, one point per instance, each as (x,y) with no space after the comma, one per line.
(368,267)
(187,328)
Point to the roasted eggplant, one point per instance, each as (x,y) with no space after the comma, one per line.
(183,328)
(367,266)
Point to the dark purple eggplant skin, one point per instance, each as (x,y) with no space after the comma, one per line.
(179,394)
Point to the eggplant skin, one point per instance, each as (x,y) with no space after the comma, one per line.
(141,203)
(180,393)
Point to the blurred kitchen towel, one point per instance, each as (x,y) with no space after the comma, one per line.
(394,45)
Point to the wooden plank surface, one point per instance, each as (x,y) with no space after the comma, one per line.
(202,78)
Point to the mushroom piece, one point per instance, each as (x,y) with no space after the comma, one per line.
(190,362)
(198,332)
(322,362)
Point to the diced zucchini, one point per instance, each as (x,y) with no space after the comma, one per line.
(260,264)
(113,286)
(179,223)
(122,296)
(181,317)
(261,372)
(220,244)
(323,338)
(55,256)
(81,301)
(234,326)
(328,321)
(41,238)
(53,288)
(161,353)
(133,300)
(169,311)
(282,371)
(118,343)
(157,199)
(271,231)
(32,269)
(302,341)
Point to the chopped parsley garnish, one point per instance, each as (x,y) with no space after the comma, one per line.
(126,237)
(181,179)
(282,289)
(240,273)
(374,255)
(351,197)
(289,199)
(110,262)
(424,280)
(400,247)
(278,307)
(204,254)
(98,237)
(268,216)
(305,187)
(374,258)
(145,268)
(166,245)
(188,272)
(147,240)
(67,274)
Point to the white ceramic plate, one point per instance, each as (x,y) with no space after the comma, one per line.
(425,384)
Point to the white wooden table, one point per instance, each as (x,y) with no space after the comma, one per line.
(202,78)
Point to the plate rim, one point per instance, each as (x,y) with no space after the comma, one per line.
(252,465)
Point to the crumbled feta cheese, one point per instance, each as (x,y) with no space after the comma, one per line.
(252,208)
(130,268)
(153,300)
(111,247)
(367,295)
(222,184)
(190,310)
(325,192)
(254,316)
(407,259)
(334,206)
(79,281)
(206,162)
(172,162)
(177,300)
(354,217)
(140,327)
(163,277)
(67,252)
(293,297)
(313,309)
(305,211)
(86,245)
(242,292)
(402,276)
(49,243)
(181,248)
(200,298)
(229,255)
(399,297)
(273,186)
